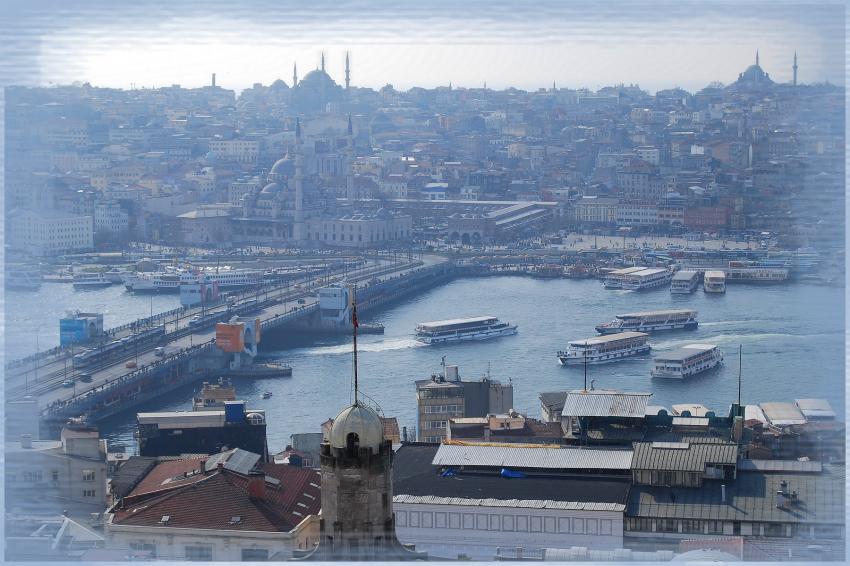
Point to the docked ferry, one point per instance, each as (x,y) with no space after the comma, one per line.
(686,361)
(714,282)
(602,349)
(170,281)
(456,329)
(684,282)
(615,279)
(650,321)
(646,279)
(91,281)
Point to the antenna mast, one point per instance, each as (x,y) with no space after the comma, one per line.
(354,324)
(740,365)
(585,368)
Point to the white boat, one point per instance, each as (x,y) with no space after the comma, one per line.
(687,361)
(116,275)
(267,394)
(646,279)
(714,282)
(170,281)
(614,279)
(22,280)
(650,321)
(603,349)
(90,281)
(684,282)
(457,329)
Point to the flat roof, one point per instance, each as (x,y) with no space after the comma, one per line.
(539,458)
(685,352)
(815,408)
(609,338)
(626,270)
(187,419)
(453,321)
(513,503)
(684,275)
(605,403)
(647,272)
(682,456)
(715,274)
(781,414)
(695,409)
(657,313)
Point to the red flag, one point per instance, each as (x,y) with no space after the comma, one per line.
(354,318)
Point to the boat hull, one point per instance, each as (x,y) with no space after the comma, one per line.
(690,325)
(566,360)
(485,335)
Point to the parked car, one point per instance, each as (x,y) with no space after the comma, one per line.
(131,364)
(85,377)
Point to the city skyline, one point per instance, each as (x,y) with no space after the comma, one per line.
(656,45)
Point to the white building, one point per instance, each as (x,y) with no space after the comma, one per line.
(49,232)
(637,214)
(393,186)
(649,154)
(109,218)
(464,505)
(360,230)
(240,151)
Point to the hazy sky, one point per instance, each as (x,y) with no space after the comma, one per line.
(655,44)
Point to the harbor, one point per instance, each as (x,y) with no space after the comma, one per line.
(777,353)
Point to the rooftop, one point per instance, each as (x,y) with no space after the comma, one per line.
(532,458)
(682,456)
(782,414)
(605,403)
(609,338)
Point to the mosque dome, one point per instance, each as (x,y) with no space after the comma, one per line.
(317,79)
(270,189)
(283,166)
(360,420)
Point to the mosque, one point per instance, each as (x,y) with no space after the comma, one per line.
(754,79)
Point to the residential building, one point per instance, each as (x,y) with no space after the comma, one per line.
(49,232)
(596,210)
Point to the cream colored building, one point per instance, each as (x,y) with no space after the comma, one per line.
(360,230)
(49,232)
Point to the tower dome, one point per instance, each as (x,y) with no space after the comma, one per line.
(361,421)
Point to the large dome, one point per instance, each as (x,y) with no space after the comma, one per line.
(316,79)
(282,166)
(360,420)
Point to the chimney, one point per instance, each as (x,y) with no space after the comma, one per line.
(26,441)
(723,492)
(257,485)
(404,434)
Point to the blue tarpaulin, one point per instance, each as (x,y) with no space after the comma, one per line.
(506,473)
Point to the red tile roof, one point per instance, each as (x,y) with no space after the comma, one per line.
(210,501)
(168,475)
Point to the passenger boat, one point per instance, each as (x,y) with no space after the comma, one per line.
(714,282)
(602,349)
(646,279)
(116,275)
(90,281)
(686,361)
(684,282)
(614,279)
(213,396)
(650,321)
(457,329)
(267,394)
(170,281)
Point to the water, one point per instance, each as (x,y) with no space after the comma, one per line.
(792,336)
(31,314)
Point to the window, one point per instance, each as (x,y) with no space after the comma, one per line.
(54,475)
(689,526)
(144,547)
(201,552)
(254,554)
(89,493)
(88,475)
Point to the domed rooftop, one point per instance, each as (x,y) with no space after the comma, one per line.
(360,420)
(270,189)
(282,166)
(317,78)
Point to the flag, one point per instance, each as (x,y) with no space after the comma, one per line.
(354,317)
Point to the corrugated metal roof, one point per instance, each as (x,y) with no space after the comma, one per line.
(553,399)
(780,466)
(516,503)
(690,421)
(545,458)
(693,458)
(603,403)
(815,408)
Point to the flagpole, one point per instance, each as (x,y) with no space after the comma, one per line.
(354,324)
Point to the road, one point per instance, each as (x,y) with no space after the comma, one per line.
(50,389)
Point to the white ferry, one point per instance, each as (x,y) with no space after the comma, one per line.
(454,330)
(687,361)
(170,281)
(714,282)
(116,275)
(650,321)
(614,279)
(646,279)
(604,349)
(91,281)
(684,282)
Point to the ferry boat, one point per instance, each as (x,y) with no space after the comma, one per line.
(20,280)
(614,279)
(714,282)
(757,274)
(602,349)
(686,361)
(90,281)
(650,321)
(170,281)
(456,329)
(646,279)
(684,282)
(116,275)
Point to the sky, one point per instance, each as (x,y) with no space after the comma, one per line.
(430,43)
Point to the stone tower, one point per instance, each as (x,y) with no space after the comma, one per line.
(298,229)
(350,189)
(357,520)
(795,68)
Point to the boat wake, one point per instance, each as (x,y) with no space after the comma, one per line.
(382,346)
(728,322)
(736,339)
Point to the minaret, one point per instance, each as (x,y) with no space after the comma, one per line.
(347,81)
(795,68)
(323,61)
(295,74)
(350,191)
(298,232)
(757,57)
